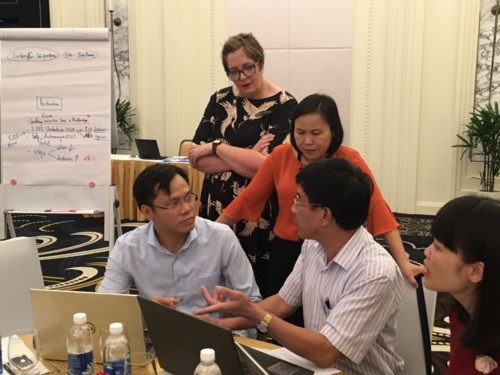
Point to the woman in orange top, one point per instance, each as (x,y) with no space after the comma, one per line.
(316,133)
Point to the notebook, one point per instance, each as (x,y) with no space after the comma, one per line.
(148,149)
(53,315)
(178,338)
(20,271)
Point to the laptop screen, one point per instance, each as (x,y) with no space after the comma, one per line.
(148,149)
(179,337)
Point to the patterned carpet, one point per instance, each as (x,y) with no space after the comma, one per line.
(73,255)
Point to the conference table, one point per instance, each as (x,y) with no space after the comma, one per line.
(125,169)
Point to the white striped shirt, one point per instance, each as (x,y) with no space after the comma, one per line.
(352,301)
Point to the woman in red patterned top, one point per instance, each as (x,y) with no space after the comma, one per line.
(464,260)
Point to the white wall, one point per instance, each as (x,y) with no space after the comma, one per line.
(308,45)
(413,85)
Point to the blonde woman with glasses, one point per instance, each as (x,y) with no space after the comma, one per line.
(241,125)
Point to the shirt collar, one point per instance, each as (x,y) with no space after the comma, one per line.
(153,240)
(347,257)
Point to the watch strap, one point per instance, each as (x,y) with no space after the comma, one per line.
(215,144)
(266,320)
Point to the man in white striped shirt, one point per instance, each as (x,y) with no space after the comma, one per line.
(349,286)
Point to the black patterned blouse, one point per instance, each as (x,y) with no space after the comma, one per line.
(241,122)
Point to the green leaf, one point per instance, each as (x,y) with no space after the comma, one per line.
(482,136)
(124,114)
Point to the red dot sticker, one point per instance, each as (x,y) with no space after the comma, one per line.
(13,181)
(92,184)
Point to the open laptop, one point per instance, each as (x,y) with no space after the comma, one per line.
(20,271)
(178,338)
(148,149)
(53,315)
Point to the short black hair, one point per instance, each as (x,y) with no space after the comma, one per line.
(339,185)
(470,227)
(326,107)
(155,178)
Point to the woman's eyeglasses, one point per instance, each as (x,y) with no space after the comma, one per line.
(248,71)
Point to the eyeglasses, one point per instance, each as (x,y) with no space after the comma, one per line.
(297,203)
(248,71)
(176,204)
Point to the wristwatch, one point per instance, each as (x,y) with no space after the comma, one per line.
(215,144)
(264,323)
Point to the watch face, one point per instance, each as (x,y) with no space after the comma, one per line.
(261,328)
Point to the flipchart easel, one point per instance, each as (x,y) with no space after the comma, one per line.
(56,104)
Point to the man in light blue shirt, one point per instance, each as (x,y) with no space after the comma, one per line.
(176,253)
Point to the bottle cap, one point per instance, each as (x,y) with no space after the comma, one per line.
(116,328)
(80,318)
(207,355)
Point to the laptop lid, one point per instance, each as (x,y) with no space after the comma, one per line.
(178,338)
(53,315)
(148,149)
(20,270)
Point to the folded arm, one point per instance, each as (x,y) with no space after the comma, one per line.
(243,161)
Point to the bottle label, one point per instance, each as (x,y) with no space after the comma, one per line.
(115,368)
(81,364)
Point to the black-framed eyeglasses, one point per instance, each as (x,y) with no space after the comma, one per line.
(176,204)
(248,71)
(297,203)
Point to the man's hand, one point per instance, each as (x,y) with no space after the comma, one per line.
(227,301)
(167,301)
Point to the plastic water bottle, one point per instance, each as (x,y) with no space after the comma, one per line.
(80,346)
(207,365)
(116,351)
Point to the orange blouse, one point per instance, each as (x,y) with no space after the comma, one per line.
(278,173)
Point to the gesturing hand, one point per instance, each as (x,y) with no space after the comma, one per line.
(227,301)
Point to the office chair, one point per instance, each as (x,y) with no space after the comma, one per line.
(184,147)
(414,328)
(20,270)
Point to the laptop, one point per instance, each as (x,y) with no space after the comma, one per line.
(148,149)
(178,338)
(20,271)
(53,315)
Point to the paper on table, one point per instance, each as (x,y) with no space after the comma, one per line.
(5,357)
(287,355)
(176,159)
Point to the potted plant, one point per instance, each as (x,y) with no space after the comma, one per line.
(481,142)
(124,114)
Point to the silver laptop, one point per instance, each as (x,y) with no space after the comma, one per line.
(178,338)
(20,271)
(53,314)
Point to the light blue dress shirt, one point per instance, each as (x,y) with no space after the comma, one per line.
(211,255)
